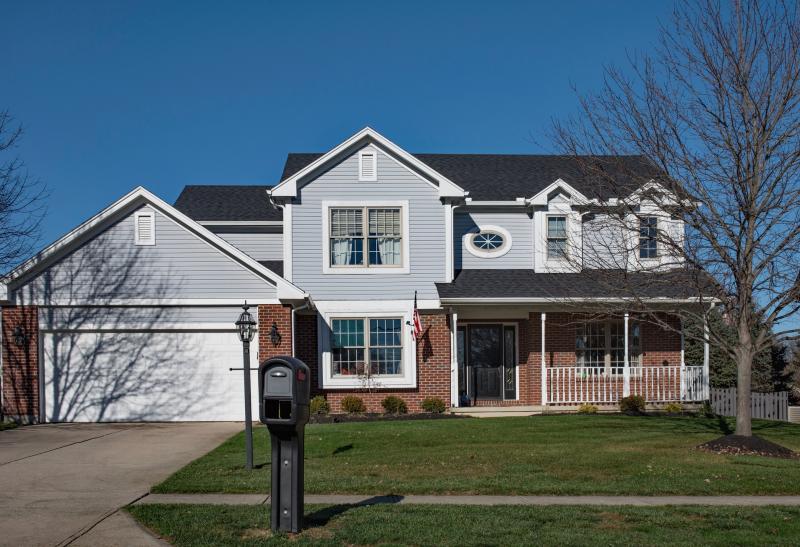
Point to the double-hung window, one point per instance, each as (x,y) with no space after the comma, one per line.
(600,347)
(366,236)
(367,346)
(556,237)
(648,231)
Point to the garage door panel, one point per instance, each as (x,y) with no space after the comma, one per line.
(144,376)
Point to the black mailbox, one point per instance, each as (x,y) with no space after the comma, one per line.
(284,390)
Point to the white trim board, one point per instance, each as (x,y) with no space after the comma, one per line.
(404,268)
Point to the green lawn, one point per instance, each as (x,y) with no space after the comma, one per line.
(187,525)
(566,454)
(7,425)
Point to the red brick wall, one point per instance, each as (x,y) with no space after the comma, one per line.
(433,370)
(21,365)
(433,357)
(281,316)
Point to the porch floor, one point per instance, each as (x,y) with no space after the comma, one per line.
(498,411)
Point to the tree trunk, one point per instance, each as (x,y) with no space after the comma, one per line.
(744,377)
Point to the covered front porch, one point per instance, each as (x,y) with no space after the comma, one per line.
(529,359)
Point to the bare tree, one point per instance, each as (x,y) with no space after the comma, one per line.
(715,114)
(21,199)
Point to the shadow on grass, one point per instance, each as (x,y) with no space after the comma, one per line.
(344,448)
(323,516)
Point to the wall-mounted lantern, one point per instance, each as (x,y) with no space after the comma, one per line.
(274,335)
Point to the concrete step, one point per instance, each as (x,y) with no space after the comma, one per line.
(497,411)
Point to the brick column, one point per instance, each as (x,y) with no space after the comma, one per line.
(21,365)
(281,316)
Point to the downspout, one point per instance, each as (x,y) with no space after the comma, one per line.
(294,342)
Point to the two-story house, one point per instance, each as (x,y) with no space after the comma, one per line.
(131,315)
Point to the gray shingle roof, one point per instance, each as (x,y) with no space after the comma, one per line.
(585,284)
(227,202)
(489,177)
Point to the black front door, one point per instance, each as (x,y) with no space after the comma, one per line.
(486,360)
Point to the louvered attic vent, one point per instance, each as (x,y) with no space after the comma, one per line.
(367,165)
(145,228)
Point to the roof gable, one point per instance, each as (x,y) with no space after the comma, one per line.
(136,198)
(505,177)
(289,185)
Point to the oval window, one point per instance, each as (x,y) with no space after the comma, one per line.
(488,241)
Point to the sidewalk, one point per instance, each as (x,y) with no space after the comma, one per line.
(343,499)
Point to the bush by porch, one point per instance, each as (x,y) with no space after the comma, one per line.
(562,454)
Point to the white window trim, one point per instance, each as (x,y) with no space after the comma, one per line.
(647,259)
(366,310)
(469,245)
(608,367)
(555,259)
(152,239)
(361,154)
(403,268)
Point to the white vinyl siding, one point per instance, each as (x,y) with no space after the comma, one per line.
(260,246)
(425,237)
(108,268)
(517,223)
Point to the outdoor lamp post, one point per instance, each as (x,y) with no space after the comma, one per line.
(246,329)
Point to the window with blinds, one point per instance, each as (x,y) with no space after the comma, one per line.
(365,236)
(144,228)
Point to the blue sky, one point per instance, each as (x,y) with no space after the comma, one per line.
(162,94)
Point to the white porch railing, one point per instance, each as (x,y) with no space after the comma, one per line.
(657,384)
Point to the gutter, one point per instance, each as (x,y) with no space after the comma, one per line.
(554,300)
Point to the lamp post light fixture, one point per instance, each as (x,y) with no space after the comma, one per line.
(246,329)
(274,335)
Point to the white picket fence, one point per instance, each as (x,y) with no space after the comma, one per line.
(575,385)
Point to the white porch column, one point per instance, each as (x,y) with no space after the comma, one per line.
(453,358)
(706,357)
(626,371)
(544,364)
(683,364)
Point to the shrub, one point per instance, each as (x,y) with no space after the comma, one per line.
(633,404)
(673,408)
(319,405)
(586,408)
(707,411)
(353,405)
(394,405)
(434,405)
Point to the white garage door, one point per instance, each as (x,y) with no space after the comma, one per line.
(145,376)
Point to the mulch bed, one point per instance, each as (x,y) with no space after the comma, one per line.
(348,418)
(738,445)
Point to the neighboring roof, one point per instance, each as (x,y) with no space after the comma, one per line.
(221,202)
(505,177)
(140,195)
(588,284)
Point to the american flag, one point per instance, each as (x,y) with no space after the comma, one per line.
(417,324)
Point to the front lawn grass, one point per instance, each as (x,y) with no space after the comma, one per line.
(566,454)
(189,525)
(7,425)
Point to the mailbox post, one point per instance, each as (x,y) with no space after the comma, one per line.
(284,391)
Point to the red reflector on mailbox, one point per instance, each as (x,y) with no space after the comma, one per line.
(301,375)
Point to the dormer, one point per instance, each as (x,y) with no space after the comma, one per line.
(557,227)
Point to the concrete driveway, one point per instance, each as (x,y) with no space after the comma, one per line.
(62,484)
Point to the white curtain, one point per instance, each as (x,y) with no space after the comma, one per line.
(389,250)
(341,250)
